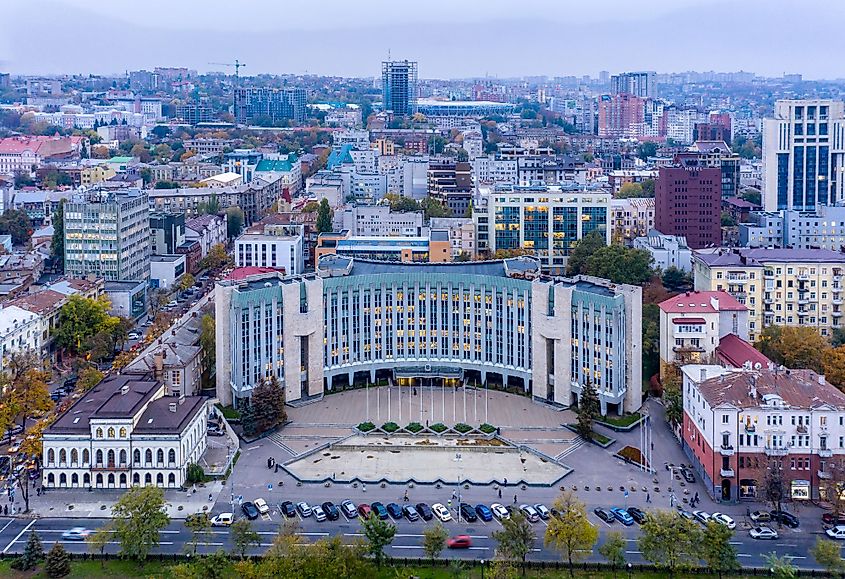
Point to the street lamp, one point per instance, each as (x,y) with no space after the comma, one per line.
(482,569)
(630,571)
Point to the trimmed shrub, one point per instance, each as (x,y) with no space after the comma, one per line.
(439,427)
(487,428)
(414,427)
(366,426)
(463,428)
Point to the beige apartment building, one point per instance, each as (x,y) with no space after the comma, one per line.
(790,287)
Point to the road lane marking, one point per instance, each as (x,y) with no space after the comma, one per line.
(786,545)
(743,555)
(634,552)
(32,522)
(6,525)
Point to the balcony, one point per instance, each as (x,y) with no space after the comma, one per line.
(803,276)
(750,427)
(837,301)
(687,348)
(802,428)
(737,278)
(777,450)
(769,274)
(825,453)
(726,450)
(768,300)
(726,472)
(836,313)
(837,278)
(803,301)
(823,475)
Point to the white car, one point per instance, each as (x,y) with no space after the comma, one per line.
(261,505)
(76,534)
(319,513)
(133,335)
(441,512)
(222,520)
(723,519)
(837,532)
(701,516)
(763,533)
(500,512)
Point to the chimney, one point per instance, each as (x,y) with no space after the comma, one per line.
(821,379)
(703,374)
(158,365)
(173,406)
(714,303)
(124,390)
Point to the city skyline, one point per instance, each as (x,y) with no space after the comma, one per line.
(283,39)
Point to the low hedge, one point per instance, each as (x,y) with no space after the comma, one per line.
(439,427)
(463,428)
(414,427)
(487,428)
(366,426)
(390,427)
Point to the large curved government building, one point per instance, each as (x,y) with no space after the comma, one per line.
(500,322)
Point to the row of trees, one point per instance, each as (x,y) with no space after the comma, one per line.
(85,326)
(618,263)
(804,347)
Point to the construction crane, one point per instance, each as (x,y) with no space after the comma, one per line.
(237,64)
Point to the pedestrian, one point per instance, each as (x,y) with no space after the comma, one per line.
(696,496)
(500,492)
(506,481)
(514,499)
(747,511)
(364,487)
(5,509)
(405,498)
(209,497)
(449,503)
(454,495)
(648,497)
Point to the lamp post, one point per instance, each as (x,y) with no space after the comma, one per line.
(630,571)
(482,569)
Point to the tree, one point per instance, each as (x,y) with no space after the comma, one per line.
(728,219)
(208,342)
(833,364)
(379,534)
(621,264)
(234,221)
(646,150)
(780,567)
(583,250)
(214,566)
(628,190)
(186,282)
(58,561)
(146,176)
(793,346)
(199,524)
(589,408)
(516,538)
(434,539)
(434,208)
(15,222)
(613,549)
(650,340)
(212,207)
(752,196)
(716,548)
(837,337)
(140,151)
(216,257)
(98,540)
(80,319)
(268,405)
(670,541)
(57,244)
(774,487)
(648,187)
(311,207)
(138,516)
(400,203)
(32,554)
(571,534)
(243,537)
(324,216)
(674,278)
(673,399)
(828,554)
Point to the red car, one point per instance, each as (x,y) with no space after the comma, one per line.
(364,510)
(459,542)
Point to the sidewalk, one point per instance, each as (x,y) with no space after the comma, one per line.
(97,504)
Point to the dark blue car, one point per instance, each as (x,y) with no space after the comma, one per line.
(380,510)
(484,513)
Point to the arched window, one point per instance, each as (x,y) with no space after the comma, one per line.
(111,457)
(63,456)
(148,479)
(160,479)
(99,480)
(74,457)
(99,433)
(51,456)
(111,480)
(122,457)
(74,480)
(171,480)
(86,479)
(148,456)
(99,457)
(136,479)
(63,480)
(122,432)
(123,479)
(160,455)
(171,456)
(51,480)
(86,456)
(111,432)
(136,456)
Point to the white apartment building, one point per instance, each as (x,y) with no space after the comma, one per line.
(631,217)
(490,170)
(209,230)
(666,250)
(278,251)
(380,221)
(20,331)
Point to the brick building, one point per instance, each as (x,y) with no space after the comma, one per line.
(688,203)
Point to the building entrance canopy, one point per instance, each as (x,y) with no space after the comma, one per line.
(428,371)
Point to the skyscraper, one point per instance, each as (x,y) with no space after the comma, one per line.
(639,84)
(399,86)
(273,103)
(804,155)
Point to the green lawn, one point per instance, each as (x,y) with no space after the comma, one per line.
(115,568)
(620,421)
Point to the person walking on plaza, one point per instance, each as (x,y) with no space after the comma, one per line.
(500,492)
(648,497)
(514,499)
(405,498)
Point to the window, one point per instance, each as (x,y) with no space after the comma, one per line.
(111,432)
(160,456)
(136,456)
(123,432)
(148,479)
(99,480)
(86,457)
(122,457)
(99,457)
(160,479)
(99,433)
(62,456)
(51,456)
(171,456)
(74,456)
(148,456)
(725,418)
(171,480)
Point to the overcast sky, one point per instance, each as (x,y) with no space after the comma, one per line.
(449,38)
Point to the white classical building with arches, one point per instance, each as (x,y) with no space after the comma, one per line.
(125,432)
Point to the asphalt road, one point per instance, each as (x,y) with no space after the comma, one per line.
(407,543)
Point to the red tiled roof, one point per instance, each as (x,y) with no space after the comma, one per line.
(734,351)
(245,272)
(797,388)
(39,302)
(688,321)
(700,303)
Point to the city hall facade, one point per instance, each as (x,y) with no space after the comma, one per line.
(502,321)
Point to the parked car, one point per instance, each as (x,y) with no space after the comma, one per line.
(394,510)
(425,511)
(331,511)
(622,516)
(349,509)
(761,517)
(364,510)
(172,304)
(763,533)
(484,513)
(304,509)
(262,507)
(249,510)
(216,432)
(76,534)
(133,336)
(686,514)
(687,474)
(441,512)
(319,513)
(530,513)
(467,512)
(459,542)
(500,512)
(833,519)
(723,519)
(785,518)
(223,520)
(410,513)
(701,516)
(542,511)
(637,514)
(379,510)
(604,515)
(837,532)
(288,509)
